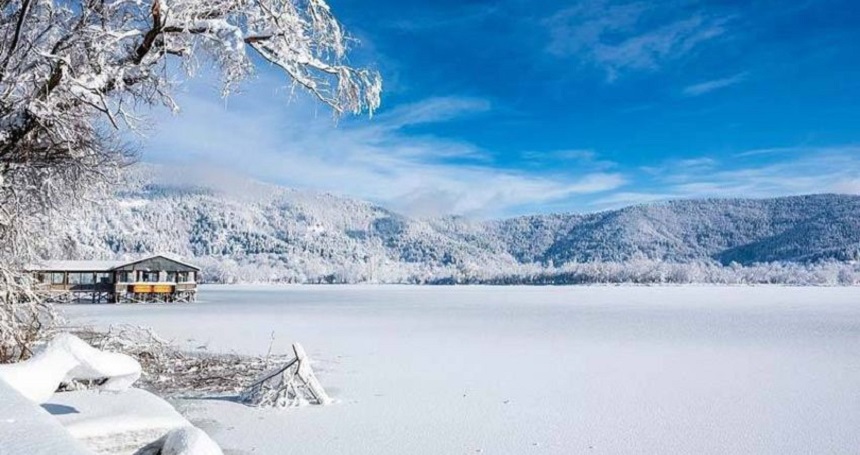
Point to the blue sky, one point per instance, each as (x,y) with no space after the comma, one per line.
(514,106)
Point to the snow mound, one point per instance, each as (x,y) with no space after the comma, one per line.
(116,419)
(124,422)
(68,357)
(189,441)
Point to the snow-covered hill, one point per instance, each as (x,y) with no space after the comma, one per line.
(242,230)
(789,229)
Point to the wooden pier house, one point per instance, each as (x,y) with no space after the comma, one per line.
(152,279)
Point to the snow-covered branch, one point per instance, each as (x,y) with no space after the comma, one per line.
(63,65)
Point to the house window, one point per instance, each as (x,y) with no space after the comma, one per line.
(150,277)
(103,278)
(183,277)
(80,278)
(171,277)
(125,277)
(57,278)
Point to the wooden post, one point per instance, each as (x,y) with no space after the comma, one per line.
(305,373)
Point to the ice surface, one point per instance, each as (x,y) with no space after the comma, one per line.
(513,370)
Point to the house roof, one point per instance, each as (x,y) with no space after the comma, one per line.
(96,266)
(76,266)
(165,256)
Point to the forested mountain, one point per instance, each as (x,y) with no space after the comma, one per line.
(791,229)
(242,230)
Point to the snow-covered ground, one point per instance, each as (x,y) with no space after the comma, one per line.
(519,370)
(27,429)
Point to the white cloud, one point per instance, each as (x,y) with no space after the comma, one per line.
(373,159)
(796,170)
(622,36)
(584,158)
(847,186)
(433,110)
(712,85)
(696,163)
(565,155)
(394,160)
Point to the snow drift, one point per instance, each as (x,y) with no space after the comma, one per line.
(67,357)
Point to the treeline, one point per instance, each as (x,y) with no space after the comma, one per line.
(830,273)
(825,273)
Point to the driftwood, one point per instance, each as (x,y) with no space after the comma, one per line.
(293,384)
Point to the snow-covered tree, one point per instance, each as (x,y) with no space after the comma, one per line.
(75,73)
(72,72)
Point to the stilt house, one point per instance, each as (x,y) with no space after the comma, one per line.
(152,279)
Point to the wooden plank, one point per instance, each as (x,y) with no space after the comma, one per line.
(162,289)
(141,288)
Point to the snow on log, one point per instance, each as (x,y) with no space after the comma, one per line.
(294,384)
(68,357)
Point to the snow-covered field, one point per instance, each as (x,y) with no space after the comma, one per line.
(520,370)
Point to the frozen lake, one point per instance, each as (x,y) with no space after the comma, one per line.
(519,370)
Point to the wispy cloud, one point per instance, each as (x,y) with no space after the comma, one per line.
(712,85)
(775,151)
(587,158)
(433,110)
(622,36)
(678,169)
(800,170)
(696,163)
(377,160)
(850,186)
(565,154)
(384,160)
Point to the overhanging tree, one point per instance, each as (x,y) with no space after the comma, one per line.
(75,73)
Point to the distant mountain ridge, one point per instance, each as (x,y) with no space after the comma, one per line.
(787,229)
(243,230)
